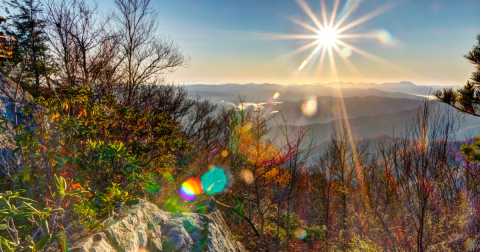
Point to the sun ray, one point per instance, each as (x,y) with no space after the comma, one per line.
(314,52)
(309,12)
(358,35)
(333,64)
(368,55)
(324,14)
(304,25)
(346,14)
(301,49)
(334,13)
(366,17)
(322,58)
(330,33)
(348,63)
(273,36)
(310,56)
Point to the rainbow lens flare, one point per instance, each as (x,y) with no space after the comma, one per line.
(309,108)
(300,234)
(190,189)
(346,52)
(385,37)
(218,179)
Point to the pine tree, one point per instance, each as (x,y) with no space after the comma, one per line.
(466,99)
(30,63)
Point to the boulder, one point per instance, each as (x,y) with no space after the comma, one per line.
(12,98)
(145,227)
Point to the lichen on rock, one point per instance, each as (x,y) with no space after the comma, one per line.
(145,227)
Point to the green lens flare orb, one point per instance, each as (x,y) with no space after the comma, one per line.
(214,181)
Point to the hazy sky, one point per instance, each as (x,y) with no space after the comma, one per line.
(234,41)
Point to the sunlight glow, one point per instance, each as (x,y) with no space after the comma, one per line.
(328,37)
(328,32)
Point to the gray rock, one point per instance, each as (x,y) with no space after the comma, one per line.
(145,227)
(12,98)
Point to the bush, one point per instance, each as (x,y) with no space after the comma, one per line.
(114,152)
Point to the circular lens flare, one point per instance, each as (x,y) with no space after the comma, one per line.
(300,234)
(214,181)
(247,176)
(346,52)
(190,188)
(309,108)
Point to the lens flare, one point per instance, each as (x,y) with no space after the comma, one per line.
(218,179)
(309,108)
(303,65)
(331,31)
(190,189)
(346,52)
(385,37)
(300,234)
(247,176)
(276,95)
(224,153)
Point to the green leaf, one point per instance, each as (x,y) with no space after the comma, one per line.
(57,210)
(63,242)
(61,184)
(21,215)
(45,210)
(20,190)
(7,243)
(43,242)
(26,177)
(31,207)
(5,213)
(4,203)
(77,192)
(44,224)
(26,200)
(3,226)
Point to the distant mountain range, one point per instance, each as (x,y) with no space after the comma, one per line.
(332,108)
(404,87)
(383,124)
(264,92)
(369,110)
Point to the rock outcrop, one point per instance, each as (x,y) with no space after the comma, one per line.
(145,227)
(12,98)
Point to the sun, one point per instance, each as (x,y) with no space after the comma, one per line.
(327,37)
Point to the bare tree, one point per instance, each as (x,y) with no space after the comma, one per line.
(146,58)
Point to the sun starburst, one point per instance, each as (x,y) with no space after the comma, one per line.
(329,34)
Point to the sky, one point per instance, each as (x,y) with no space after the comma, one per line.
(246,41)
